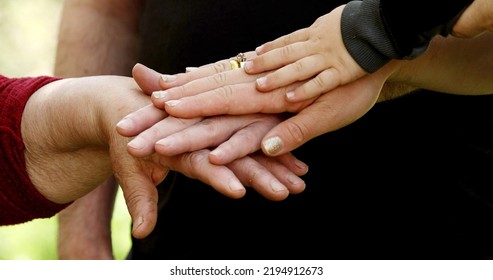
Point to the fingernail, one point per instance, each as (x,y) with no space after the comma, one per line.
(216,153)
(277,186)
(272,145)
(301,165)
(168,78)
(261,81)
(160,94)
(164,143)
(290,95)
(294,180)
(136,144)
(125,124)
(190,69)
(235,185)
(138,222)
(248,65)
(259,49)
(172,103)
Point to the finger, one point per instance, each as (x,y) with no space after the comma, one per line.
(200,72)
(204,134)
(297,71)
(201,85)
(292,163)
(144,143)
(325,81)
(196,165)
(147,79)
(141,197)
(142,207)
(276,58)
(244,141)
(330,112)
(136,122)
(235,100)
(296,36)
(281,172)
(208,133)
(251,173)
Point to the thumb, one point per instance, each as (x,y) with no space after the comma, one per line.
(147,78)
(141,199)
(291,133)
(331,111)
(141,195)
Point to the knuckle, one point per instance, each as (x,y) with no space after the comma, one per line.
(211,125)
(297,131)
(225,94)
(193,161)
(287,51)
(249,139)
(219,67)
(286,40)
(134,197)
(218,79)
(298,66)
(319,81)
(253,174)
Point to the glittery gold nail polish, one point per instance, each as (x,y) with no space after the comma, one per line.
(272,145)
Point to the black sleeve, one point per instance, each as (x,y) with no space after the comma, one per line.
(375,31)
(413,26)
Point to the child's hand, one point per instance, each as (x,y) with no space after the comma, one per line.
(315,54)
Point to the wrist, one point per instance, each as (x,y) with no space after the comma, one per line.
(65,153)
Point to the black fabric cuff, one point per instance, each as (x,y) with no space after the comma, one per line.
(364,35)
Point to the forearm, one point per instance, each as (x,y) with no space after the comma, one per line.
(475,20)
(98,37)
(78,231)
(65,147)
(20,200)
(451,65)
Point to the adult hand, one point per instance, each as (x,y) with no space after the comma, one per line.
(280,175)
(205,92)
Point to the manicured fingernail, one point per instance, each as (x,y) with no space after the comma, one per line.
(172,103)
(248,65)
(190,69)
(261,81)
(125,124)
(272,145)
(216,153)
(163,143)
(160,94)
(136,144)
(235,185)
(277,186)
(290,95)
(168,78)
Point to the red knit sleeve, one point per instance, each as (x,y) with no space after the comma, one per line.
(20,201)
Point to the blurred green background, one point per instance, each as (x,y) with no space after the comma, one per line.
(28,34)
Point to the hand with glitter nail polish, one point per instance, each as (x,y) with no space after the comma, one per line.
(153,131)
(207,92)
(195,219)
